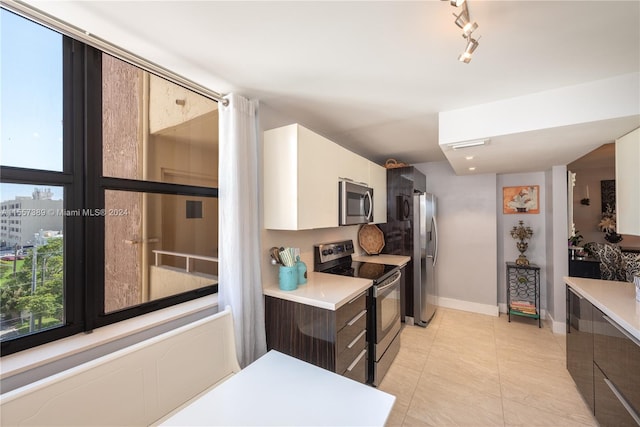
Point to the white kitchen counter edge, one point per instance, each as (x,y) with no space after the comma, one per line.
(328,291)
(615,299)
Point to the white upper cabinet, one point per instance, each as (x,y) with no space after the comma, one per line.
(378,181)
(300,187)
(353,167)
(628,183)
(301,173)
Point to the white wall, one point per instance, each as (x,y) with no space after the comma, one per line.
(475,238)
(600,100)
(466,213)
(557,255)
(586,218)
(507,250)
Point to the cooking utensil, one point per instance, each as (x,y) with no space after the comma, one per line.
(275,255)
(286,256)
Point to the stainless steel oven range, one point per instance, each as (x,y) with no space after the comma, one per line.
(383,301)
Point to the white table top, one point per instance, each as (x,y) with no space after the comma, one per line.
(615,299)
(280,390)
(329,291)
(383,259)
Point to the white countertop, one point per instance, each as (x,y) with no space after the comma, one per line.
(615,299)
(329,291)
(279,390)
(383,259)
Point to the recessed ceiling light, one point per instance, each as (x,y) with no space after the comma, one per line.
(472,168)
(467,144)
(469,157)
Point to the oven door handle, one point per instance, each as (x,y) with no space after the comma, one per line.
(378,290)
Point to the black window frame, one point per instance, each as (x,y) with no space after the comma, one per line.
(84,188)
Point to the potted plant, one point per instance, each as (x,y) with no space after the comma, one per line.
(608,225)
(575,239)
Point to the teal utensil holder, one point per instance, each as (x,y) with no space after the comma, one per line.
(302,271)
(288,278)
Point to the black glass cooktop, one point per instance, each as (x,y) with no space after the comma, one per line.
(364,270)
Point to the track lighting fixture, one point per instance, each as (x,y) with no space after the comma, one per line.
(464,22)
(465,56)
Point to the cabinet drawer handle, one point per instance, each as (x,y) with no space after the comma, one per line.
(622,331)
(355,362)
(575,293)
(624,402)
(358,296)
(355,319)
(356,339)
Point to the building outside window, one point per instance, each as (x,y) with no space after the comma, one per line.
(105,205)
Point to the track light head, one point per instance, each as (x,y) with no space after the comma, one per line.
(463,22)
(465,56)
(462,19)
(468,29)
(457,3)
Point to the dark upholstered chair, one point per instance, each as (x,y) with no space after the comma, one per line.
(612,263)
(632,264)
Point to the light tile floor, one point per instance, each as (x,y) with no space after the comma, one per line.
(468,369)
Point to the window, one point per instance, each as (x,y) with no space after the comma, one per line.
(109,181)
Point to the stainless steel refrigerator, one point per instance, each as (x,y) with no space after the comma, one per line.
(425,256)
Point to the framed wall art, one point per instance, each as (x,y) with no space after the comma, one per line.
(521,199)
(608,195)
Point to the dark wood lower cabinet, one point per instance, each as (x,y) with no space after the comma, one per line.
(610,410)
(334,340)
(580,344)
(617,358)
(604,361)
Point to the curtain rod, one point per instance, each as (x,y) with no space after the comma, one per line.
(43,18)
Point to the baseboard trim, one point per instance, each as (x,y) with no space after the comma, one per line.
(474,307)
(557,327)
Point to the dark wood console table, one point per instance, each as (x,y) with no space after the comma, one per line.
(588,267)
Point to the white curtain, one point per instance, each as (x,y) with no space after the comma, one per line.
(239,230)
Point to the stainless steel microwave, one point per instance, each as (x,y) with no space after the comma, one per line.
(356,203)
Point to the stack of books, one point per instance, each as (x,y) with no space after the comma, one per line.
(525,307)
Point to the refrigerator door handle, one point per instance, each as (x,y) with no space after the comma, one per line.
(435,233)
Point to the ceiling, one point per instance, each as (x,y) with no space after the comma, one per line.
(602,157)
(373,75)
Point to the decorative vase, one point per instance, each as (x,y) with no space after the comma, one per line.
(521,233)
(522,247)
(612,237)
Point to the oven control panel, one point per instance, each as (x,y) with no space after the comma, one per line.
(325,252)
